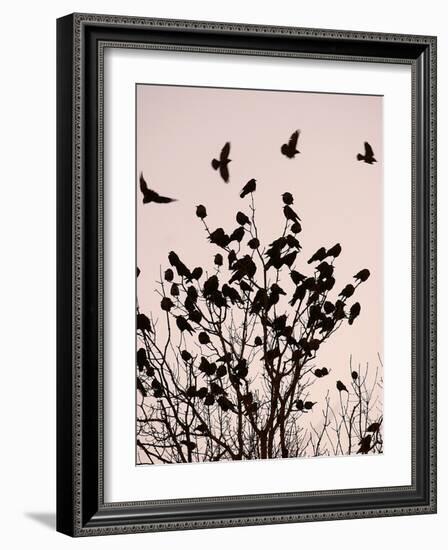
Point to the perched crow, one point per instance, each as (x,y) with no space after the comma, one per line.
(354,375)
(174,291)
(293,242)
(364,445)
(347,291)
(195,316)
(181,268)
(166,304)
(341,386)
(225,404)
(237,235)
(201,211)
(231,257)
(296,228)
(219,237)
(143,323)
(355,310)
(250,187)
(328,307)
(211,285)
(308,405)
(373,428)
(258,341)
(339,312)
(260,301)
(297,277)
(218,260)
(299,295)
(362,275)
(142,359)
(368,156)
(242,219)
(197,273)
(334,250)
(299,404)
(290,214)
(169,275)
(231,294)
(151,196)
(245,287)
(290,149)
(222,163)
(204,338)
(318,256)
(287,198)
(206,367)
(253,243)
(183,324)
(244,267)
(186,355)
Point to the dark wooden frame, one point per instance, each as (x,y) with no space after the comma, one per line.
(81,39)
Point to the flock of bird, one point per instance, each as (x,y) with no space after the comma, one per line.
(221,164)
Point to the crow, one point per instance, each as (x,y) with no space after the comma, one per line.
(365,445)
(368,156)
(299,294)
(204,338)
(142,359)
(334,250)
(355,310)
(197,273)
(211,285)
(296,228)
(288,198)
(151,196)
(237,235)
(297,277)
(183,324)
(242,219)
(260,301)
(373,428)
(293,242)
(143,323)
(166,304)
(231,257)
(169,275)
(222,163)
(174,290)
(250,187)
(186,355)
(290,214)
(201,211)
(181,268)
(231,294)
(290,149)
(253,243)
(219,237)
(362,275)
(218,260)
(318,256)
(243,267)
(354,375)
(341,386)
(347,291)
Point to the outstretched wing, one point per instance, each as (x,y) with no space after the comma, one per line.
(224,172)
(225,152)
(293,139)
(143,185)
(368,149)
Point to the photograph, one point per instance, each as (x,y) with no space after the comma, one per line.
(259,274)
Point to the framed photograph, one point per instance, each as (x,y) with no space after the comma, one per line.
(246,274)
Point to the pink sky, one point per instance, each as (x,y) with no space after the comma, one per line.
(179,131)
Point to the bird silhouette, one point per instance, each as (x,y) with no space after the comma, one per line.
(290,149)
(341,386)
(169,275)
(238,234)
(297,277)
(211,285)
(355,310)
(143,323)
(151,196)
(318,256)
(142,359)
(197,273)
(288,198)
(362,275)
(204,338)
(354,375)
(186,355)
(334,250)
(222,163)
(347,291)
(290,214)
(296,227)
(242,219)
(243,267)
(250,187)
(365,445)
(219,237)
(368,156)
(166,304)
(374,427)
(253,243)
(201,211)
(231,293)
(181,268)
(218,259)
(183,324)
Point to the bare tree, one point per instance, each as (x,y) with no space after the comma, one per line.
(232,378)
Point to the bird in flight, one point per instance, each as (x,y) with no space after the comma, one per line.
(368,156)
(290,149)
(151,196)
(222,163)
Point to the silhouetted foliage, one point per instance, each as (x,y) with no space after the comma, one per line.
(234,377)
